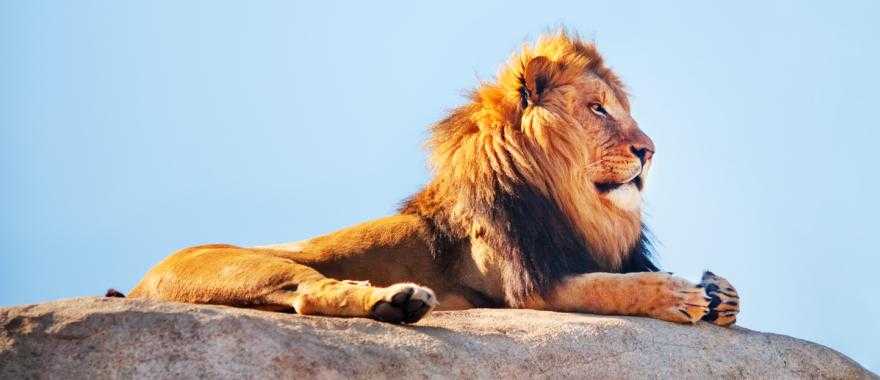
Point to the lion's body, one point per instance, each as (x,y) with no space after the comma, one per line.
(535,203)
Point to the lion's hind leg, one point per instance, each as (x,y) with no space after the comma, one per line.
(267,280)
(398,303)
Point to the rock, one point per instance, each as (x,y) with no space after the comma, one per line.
(113,337)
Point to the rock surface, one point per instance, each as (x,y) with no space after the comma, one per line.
(112,338)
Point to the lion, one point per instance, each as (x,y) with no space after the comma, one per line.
(535,202)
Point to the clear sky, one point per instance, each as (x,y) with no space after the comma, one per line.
(132,129)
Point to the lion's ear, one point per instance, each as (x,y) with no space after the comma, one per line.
(539,76)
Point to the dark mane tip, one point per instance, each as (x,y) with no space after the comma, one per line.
(641,257)
(537,240)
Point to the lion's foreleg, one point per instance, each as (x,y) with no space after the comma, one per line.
(651,294)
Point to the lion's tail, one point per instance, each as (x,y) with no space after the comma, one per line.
(114,293)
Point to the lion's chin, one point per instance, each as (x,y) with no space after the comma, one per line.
(626,197)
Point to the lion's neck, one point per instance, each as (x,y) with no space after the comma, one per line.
(610,232)
(532,235)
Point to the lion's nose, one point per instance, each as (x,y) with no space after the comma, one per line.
(643,152)
(641,145)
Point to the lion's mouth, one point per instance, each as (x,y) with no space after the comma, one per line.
(607,187)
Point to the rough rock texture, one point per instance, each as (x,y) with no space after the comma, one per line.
(111,338)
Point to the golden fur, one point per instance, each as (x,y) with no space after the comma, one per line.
(535,202)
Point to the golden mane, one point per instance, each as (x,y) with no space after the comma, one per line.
(506,139)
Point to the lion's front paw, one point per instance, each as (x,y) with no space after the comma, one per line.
(724,304)
(403,303)
(678,300)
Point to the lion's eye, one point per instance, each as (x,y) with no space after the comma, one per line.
(598,109)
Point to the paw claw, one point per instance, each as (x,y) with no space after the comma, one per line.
(711,316)
(724,305)
(714,302)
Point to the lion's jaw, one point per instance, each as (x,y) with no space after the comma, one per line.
(627,197)
(626,194)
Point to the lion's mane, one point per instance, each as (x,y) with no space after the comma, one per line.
(503,174)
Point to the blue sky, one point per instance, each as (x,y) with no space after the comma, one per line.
(132,129)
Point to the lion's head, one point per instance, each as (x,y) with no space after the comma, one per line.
(548,148)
